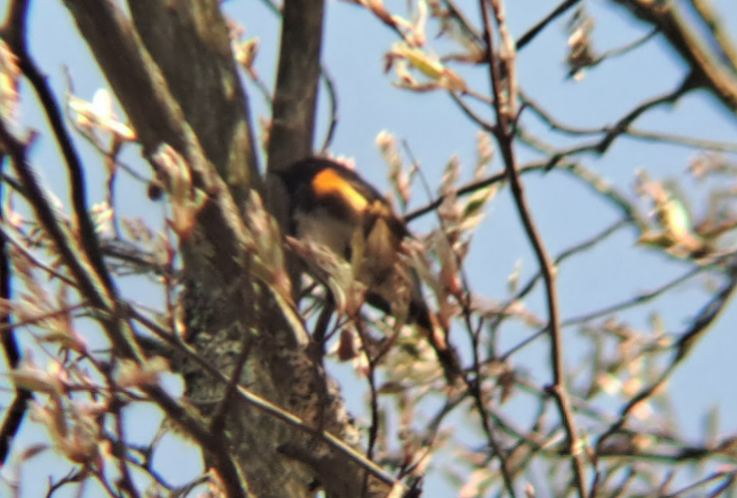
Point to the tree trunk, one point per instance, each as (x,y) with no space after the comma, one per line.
(174,74)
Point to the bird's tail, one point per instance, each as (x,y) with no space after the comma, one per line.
(420,315)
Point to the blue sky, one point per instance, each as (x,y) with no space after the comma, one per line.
(565,211)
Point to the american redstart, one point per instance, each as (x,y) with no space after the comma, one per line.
(333,206)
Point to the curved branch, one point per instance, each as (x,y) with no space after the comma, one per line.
(15,30)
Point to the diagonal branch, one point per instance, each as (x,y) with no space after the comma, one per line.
(191,47)
(531,33)
(45,214)
(717,28)
(706,66)
(261,403)
(15,30)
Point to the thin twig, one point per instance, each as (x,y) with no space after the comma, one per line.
(374,397)
(638,300)
(613,132)
(471,114)
(724,486)
(701,324)
(22,249)
(262,404)
(45,214)
(327,78)
(625,49)
(530,285)
(590,177)
(465,23)
(582,246)
(630,131)
(125,481)
(446,355)
(702,482)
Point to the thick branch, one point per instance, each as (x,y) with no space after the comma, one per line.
(191,47)
(718,29)
(293,121)
(705,65)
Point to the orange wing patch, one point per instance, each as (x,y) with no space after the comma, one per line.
(328,182)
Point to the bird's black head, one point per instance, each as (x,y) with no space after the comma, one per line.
(302,172)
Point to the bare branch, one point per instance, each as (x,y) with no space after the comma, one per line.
(45,214)
(15,412)
(642,298)
(505,136)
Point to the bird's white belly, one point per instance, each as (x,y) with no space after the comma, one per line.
(322,229)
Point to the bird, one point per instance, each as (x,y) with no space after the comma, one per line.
(333,206)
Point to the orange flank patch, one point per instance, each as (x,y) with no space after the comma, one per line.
(328,182)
